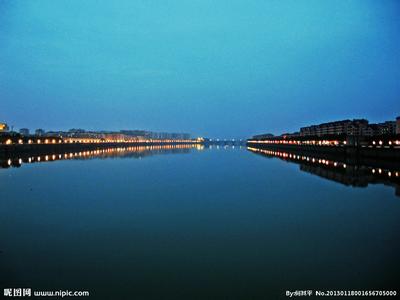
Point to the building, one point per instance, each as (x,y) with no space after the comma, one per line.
(24,131)
(116,136)
(156,135)
(344,127)
(76,132)
(290,134)
(180,136)
(355,127)
(136,133)
(263,136)
(3,127)
(55,133)
(388,127)
(39,132)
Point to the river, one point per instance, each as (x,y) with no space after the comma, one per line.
(193,223)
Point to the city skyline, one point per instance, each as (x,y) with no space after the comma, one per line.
(226,69)
(381,128)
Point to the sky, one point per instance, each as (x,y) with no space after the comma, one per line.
(220,69)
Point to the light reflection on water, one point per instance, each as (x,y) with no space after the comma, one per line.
(333,169)
(121,152)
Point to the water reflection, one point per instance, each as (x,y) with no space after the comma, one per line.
(17,160)
(356,174)
(196,226)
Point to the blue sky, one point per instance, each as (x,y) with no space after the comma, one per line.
(212,68)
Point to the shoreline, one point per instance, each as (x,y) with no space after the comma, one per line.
(37,149)
(351,154)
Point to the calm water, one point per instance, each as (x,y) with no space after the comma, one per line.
(196,224)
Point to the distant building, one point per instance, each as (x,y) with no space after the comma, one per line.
(371,130)
(55,133)
(356,127)
(156,135)
(39,132)
(115,136)
(3,127)
(263,136)
(180,136)
(291,135)
(398,125)
(388,127)
(76,131)
(136,133)
(24,131)
(344,127)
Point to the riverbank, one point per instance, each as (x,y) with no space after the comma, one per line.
(352,154)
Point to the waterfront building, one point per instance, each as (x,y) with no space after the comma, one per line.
(136,133)
(39,132)
(263,136)
(291,135)
(115,136)
(357,127)
(343,127)
(24,131)
(388,127)
(360,127)
(180,136)
(76,132)
(54,133)
(3,127)
(155,135)
(164,135)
